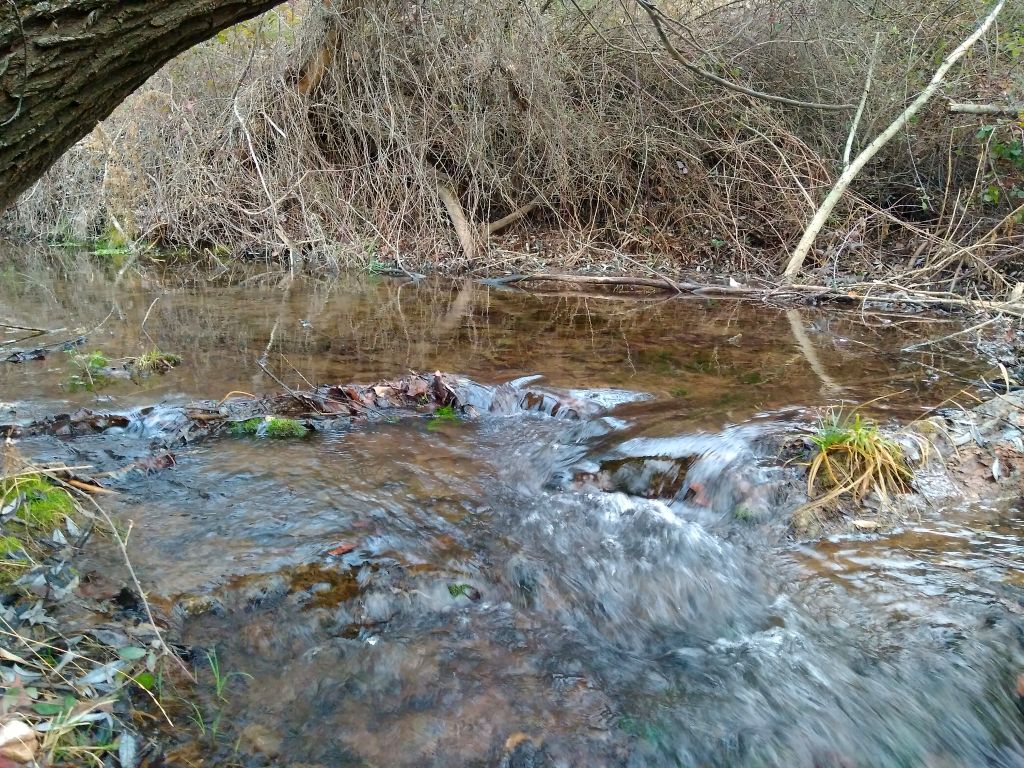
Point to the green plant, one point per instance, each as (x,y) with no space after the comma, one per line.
(71,737)
(91,371)
(206,730)
(221,678)
(210,728)
(457,590)
(1004,175)
(269,426)
(9,545)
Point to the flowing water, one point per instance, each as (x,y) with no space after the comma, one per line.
(483,605)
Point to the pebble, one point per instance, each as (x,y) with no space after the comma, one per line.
(17,741)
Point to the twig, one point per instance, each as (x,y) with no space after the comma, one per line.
(278,229)
(506,221)
(38,331)
(458,216)
(144,319)
(930,342)
(863,293)
(291,392)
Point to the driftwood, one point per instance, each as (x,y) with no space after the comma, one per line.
(323,407)
(469,236)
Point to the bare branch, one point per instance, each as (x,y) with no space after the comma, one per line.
(796,262)
(655,14)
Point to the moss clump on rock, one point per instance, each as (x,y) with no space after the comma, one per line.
(269,426)
(40,504)
(37,507)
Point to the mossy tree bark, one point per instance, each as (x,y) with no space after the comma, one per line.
(66,64)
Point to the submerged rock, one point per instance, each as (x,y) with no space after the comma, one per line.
(261,740)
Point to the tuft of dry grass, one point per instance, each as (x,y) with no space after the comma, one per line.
(852,457)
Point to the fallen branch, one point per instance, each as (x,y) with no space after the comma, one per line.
(877,292)
(467,239)
(1000,110)
(863,102)
(796,262)
(122,545)
(506,221)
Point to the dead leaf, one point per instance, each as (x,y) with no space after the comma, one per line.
(416,387)
(341,549)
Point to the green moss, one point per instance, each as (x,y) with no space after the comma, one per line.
(44,506)
(703,361)
(40,508)
(659,360)
(269,426)
(444,415)
(744,514)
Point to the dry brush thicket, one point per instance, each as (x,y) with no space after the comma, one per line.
(497,134)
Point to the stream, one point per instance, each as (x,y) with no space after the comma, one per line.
(417,592)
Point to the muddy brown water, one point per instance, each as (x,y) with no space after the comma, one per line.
(484,600)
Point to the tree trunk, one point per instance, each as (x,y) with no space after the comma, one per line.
(66,64)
